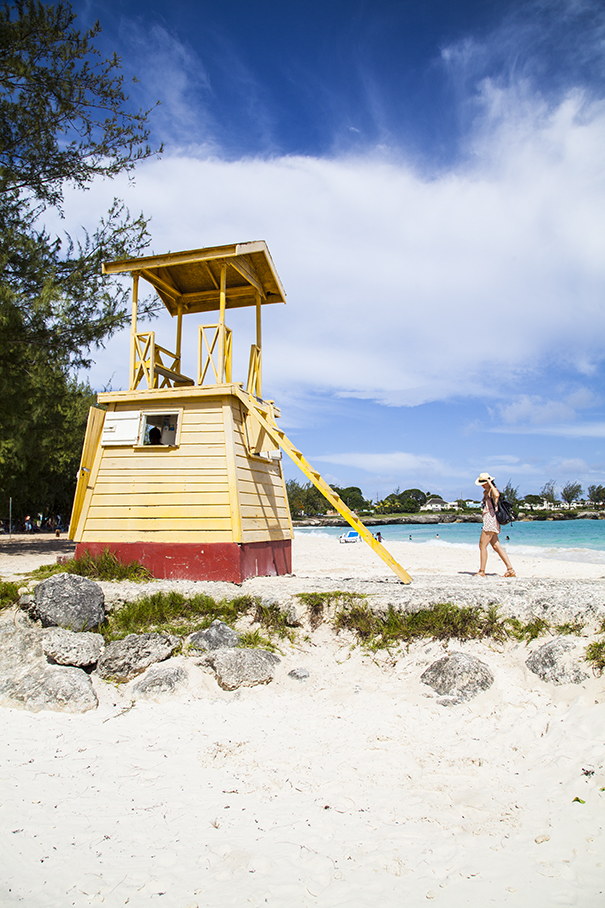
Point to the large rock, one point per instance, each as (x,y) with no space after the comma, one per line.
(127,658)
(218,636)
(458,677)
(42,686)
(67,648)
(242,667)
(70,601)
(160,679)
(558,661)
(18,645)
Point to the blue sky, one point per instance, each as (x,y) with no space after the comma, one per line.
(430,179)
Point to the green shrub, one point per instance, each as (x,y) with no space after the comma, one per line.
(595,654)
(443,621)
(105,566)
(9,593)
(173,613)
(274,619)
(529,631)
(316,603)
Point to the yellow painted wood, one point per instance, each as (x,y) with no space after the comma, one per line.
(159,523)
(160,511)
(161,499)
(221,338)
(133,328)
(236,519)
(117,487)
(92,437)
(315,477)
(199,537)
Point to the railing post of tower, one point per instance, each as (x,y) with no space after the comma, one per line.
(221,338)
(133,329)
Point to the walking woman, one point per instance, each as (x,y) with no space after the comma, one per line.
(491,527)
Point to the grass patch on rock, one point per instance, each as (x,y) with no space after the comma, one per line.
(317,603)
(9,593)
(443,621)
(274,619)
(595,655)
(97,567)
(173,613)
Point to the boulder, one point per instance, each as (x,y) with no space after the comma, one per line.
(18,646)
(458,677)
(69,601)
(218,636)
(127,658)
(67,648)
(299,674)
(242,667)
(42,686)
(293,615)
(160,679)
(558,661)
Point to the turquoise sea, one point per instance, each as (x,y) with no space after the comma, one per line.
(569,540)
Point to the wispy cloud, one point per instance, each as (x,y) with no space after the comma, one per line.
(394,462)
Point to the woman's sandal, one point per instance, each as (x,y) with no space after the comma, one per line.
(510,573)
(479,574)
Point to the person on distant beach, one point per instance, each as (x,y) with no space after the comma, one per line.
(379,536)
(491,527)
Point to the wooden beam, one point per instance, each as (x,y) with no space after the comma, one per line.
(208,269)
(248,272)
(160,284)
(181,258)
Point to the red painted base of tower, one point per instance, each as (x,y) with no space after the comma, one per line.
(228,561)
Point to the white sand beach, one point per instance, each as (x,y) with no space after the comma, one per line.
(353,788)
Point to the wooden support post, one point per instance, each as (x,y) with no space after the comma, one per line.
(259,345)
(133,328)
(179,334)
(221,326)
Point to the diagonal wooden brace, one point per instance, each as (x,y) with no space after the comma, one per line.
(337,503)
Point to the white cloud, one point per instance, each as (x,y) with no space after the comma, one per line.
(394,462)
(534,411)
(403,289)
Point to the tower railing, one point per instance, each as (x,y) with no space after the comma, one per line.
(214,354)
(159,367)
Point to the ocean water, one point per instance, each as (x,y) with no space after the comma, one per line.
(569,540)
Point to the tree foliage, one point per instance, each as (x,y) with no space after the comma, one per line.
(511,493)
(547,492)
(64,121)
(407,502)
(570,492)
(307,500)
(596,494)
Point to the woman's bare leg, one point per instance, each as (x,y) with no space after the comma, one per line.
(484,541)
(497,547)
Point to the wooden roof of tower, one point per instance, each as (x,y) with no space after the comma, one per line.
(192,279)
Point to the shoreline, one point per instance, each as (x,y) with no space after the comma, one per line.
(420,519)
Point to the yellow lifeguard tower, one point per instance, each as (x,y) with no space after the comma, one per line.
(183,473)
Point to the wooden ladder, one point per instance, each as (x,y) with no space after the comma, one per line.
(282,440)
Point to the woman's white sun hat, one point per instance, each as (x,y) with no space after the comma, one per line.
(483,477)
